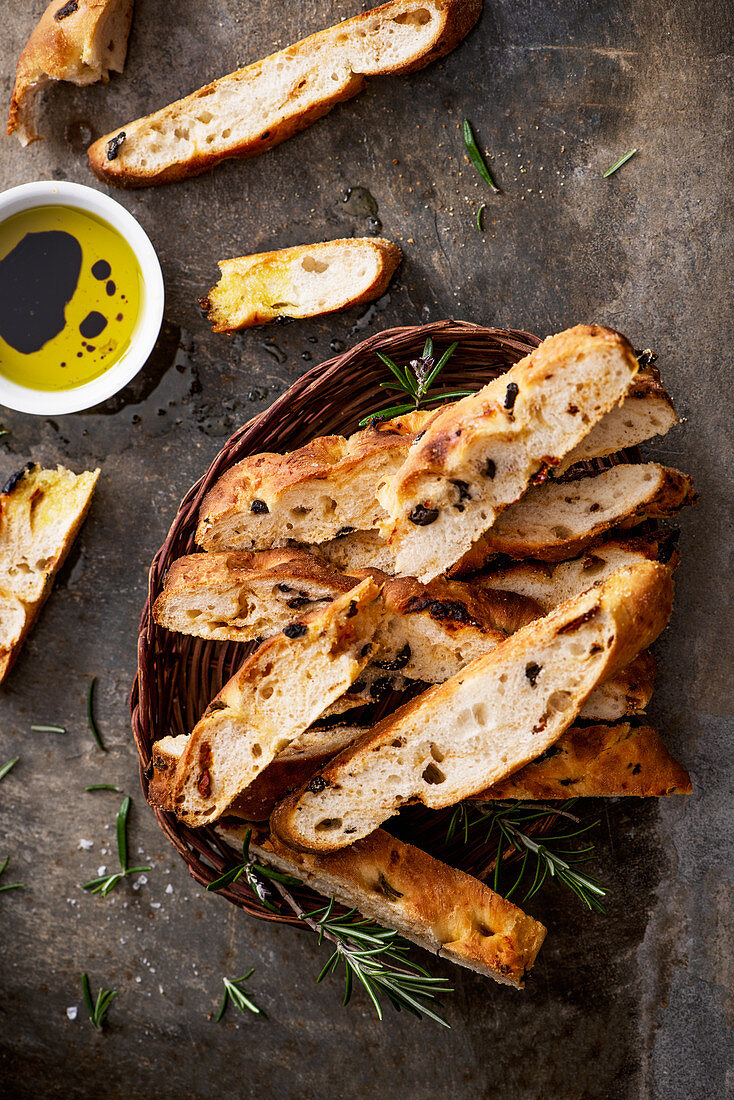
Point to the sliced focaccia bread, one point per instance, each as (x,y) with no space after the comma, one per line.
(557,520)
(293,766)
(549,583)
(359,550)
(81,41)
(604,761)
(647,410)
(41,512)
(498,714)
(438,907)
(480,455)
(305,281)
(252,109)
(628,691)
(315,493)
(277,694)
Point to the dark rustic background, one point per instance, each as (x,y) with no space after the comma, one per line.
(637,1004)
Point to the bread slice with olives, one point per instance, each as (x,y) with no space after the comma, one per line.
(437,907)
(41,512)
(81,41)
(305,281)
(599,761)
(318,492)
(499,713)
(253,109)
(480,455)
(281,690)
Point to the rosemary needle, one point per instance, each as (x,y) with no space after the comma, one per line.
(620,162)
(10,885)
(48,729)
(476,157)
(90,715)
(6,767)
(97,1010)
(101,787)
(479,217)
(233,993)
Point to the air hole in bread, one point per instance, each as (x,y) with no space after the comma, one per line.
(226,133)
(210,139)
(310,263)
(560,700)
(482,929)
(266,691)
(328,824)
(437,753)
(300,510)
(432,775)
(256,750)
(205,116)
(417,18)
(193,614)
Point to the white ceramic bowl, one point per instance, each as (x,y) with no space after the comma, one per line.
(150,316)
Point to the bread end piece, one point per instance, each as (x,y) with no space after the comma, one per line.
(305,281)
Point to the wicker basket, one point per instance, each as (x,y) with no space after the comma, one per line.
(178,676)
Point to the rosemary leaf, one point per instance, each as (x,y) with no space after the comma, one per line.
(479,217)
(48,729)
(10,885)
(90,715)
(107,882)
(102,787)
(476,157)
(622,160)
(122,816)
(387,414)
(7,767)
(239,998)
(97,1009)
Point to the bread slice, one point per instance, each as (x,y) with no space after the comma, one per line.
(41,512)
(293,766)
(438,907)
(277,694)
(557,520)
(306,281)
(255,108)
(547,584)
(481,454)
(628,691)
(81,41)
(318,492)
(600,761)
(358,550)
(647,410)
(498,714)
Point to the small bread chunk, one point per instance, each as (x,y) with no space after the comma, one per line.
(306,281)
(557,520)
(481,454)
(277,694)
(318,492)
(498,714)
(548,583)
(255,108)
(41,512)
(438,907)
(293,766)
(81,41)
(628,691)
(597,762)
(647,410)
(359,550)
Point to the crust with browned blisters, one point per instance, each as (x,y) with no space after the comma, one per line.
(438,907)
(435,750)
(285,117)
(599,761)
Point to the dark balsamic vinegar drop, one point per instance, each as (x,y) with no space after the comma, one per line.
(101,270)
(93,324)
(37,279)
(118,317)
(110,288)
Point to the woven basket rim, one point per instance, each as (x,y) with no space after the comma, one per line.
(205,854)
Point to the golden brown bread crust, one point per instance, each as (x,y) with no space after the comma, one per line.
(436,906)
(455,604)
(458,17)
(598,761)
(62,47)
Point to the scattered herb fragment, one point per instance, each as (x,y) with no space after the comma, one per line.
(620,162)
(102,787)
(48,729)
(10,885)
(479,217)
(476,157)
(415,380)
(97,1009)
(105,883)
(90,715)
(253,872)
(7,767)
(233,993)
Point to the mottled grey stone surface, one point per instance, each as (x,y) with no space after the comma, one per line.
(637,1004)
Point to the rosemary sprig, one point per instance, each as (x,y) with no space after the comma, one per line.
(9,885)
(102,787)
(622,160)
(476,157)
(105,883)
(506,823)
(7,767)
(50,728)
(90,715)
(415,380)
(233,993)
(479,216)
(97,1009)
(251,869)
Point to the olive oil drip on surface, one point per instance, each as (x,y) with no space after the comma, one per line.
(70,293)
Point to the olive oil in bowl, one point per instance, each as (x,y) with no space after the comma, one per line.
(70,296)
